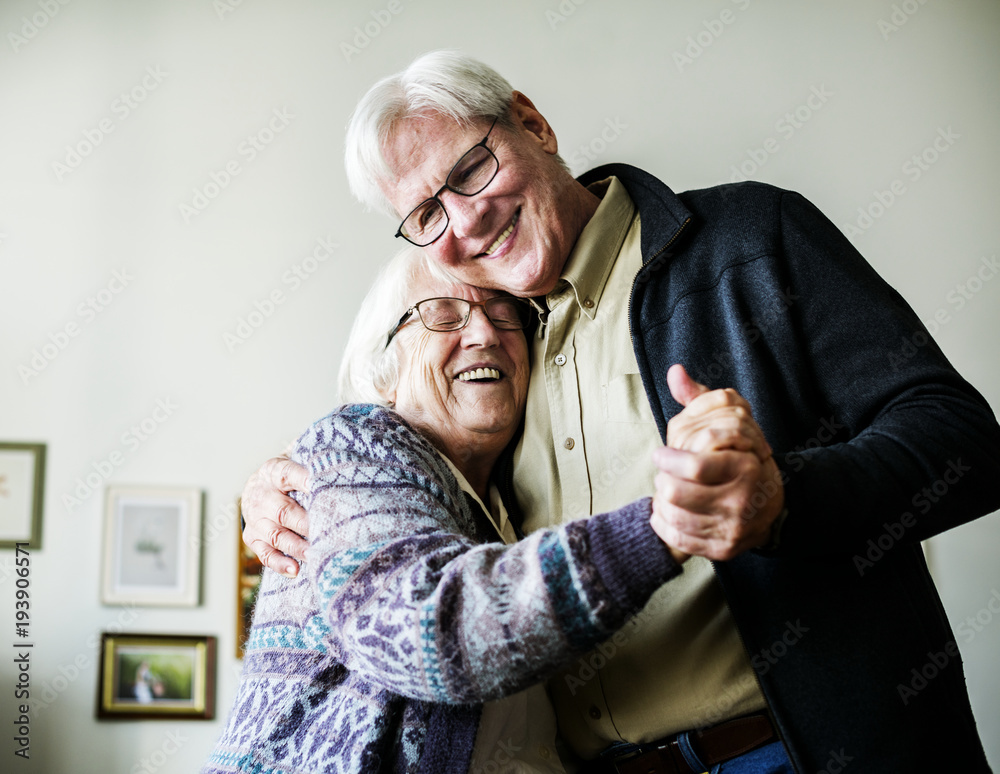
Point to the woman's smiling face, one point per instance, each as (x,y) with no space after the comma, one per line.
(441,392)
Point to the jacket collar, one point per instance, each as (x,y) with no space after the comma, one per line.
(662,212)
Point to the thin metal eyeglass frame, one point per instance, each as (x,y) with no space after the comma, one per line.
(472,305)
(437,197)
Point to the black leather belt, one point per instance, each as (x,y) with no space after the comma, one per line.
(714,745)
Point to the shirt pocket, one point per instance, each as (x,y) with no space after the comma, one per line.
(625,400)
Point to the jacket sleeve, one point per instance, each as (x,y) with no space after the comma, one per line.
(423,609)
(920,450)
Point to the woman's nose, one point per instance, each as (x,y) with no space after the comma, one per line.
(479,331)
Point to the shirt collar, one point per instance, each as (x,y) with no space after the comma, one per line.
(497,513)
(589,264)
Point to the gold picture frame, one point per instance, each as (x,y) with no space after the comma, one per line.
(156,676)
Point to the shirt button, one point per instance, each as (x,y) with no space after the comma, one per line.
(588,302)
(543,751)
(595,713)
(569,443)
(560,359)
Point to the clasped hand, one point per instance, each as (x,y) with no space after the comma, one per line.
(718,488)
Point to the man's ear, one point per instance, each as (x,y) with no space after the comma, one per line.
(533,122)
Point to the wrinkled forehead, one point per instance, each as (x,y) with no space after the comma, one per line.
(426,286)
(420,151)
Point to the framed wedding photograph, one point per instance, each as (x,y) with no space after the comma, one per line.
(22,485)
(152,546)
(156,676)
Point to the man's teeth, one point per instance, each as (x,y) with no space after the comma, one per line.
(479,373)
(503,237)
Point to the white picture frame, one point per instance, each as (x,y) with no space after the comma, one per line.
(152,546)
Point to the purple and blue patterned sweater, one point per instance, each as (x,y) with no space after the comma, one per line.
(405,618)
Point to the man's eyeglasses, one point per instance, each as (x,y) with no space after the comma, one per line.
(428,221)
(453,314)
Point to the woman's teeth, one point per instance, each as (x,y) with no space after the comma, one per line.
(503,237)
(479,373)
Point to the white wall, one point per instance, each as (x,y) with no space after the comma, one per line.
(223,72)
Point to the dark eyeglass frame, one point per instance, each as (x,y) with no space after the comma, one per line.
(503,325)
(446,187)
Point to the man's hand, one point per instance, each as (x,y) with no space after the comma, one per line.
(712,419)
(719,490)
(275,523)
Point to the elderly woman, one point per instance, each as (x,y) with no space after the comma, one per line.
(416,610)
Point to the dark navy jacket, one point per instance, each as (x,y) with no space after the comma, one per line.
(880,442)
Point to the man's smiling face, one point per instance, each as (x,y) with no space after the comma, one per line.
(517,233)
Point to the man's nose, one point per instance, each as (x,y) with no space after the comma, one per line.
(466,213)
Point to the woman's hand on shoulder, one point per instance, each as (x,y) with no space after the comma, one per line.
(275,525)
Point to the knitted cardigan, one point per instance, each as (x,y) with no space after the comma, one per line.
(405,619)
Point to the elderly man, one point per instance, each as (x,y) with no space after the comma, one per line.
(811,615)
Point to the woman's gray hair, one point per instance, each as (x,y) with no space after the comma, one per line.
(369,370)
(442,82)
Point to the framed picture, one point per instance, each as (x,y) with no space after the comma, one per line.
(248,568)
(161,676)
(152,546)
(22,484)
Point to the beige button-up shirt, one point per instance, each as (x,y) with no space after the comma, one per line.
(587,446)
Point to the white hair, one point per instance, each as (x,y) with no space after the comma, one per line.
(443,82)
(369,371)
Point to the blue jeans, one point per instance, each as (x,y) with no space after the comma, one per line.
(769,759)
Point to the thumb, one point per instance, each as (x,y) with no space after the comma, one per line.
(683,388)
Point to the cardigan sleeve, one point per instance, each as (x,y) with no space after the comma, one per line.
(922,448)
(421,607)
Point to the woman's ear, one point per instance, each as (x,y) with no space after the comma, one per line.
(530,120)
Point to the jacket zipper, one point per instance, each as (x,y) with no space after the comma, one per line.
(739,633)
(635,279)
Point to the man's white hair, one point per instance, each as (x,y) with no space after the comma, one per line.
(369,372)
(443,82)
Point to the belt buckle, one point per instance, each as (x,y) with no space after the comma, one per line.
(625,759)
(630,763)
(662,759)
(672,754)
